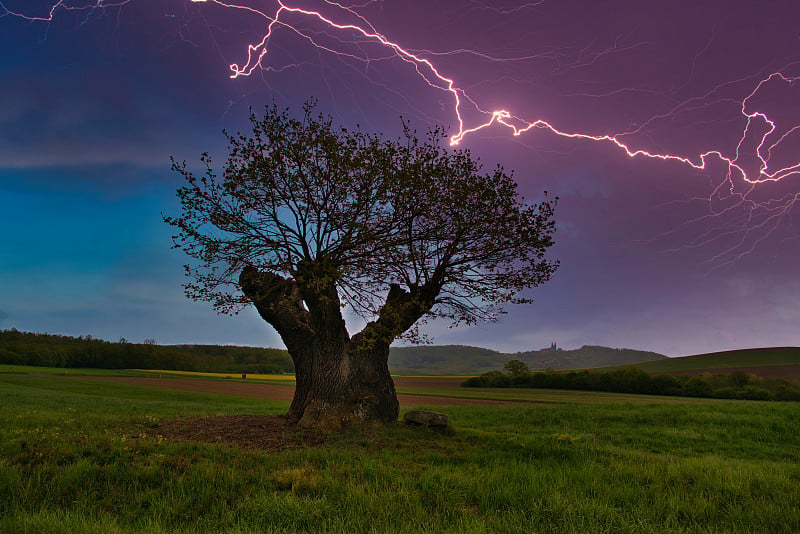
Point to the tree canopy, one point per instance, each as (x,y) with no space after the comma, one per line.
(307,218)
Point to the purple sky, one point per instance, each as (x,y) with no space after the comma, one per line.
(655,254)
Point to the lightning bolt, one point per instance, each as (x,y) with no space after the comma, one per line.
(62,5)
(745,167)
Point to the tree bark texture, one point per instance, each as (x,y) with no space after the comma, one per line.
(340,380)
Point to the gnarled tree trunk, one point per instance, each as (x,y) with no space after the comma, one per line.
(349,386)
(340,380)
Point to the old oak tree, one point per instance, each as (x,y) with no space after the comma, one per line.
(308,218)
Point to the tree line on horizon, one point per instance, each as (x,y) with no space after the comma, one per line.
(735,385)
(49,350)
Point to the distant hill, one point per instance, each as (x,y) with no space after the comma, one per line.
(731,359)
(444,360)
(466,360)
(21,348)
(585,357)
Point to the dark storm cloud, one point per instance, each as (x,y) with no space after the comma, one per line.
(92,108)
(87,120)
(91,91)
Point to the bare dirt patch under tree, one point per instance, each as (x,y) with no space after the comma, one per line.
(268,432)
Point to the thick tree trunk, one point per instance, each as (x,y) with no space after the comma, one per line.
(303,383)
(339,381)
(348,387)
(340,384)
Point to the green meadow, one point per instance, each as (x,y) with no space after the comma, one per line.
(82,456)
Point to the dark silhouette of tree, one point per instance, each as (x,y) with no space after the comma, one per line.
(308,218)
(516,368)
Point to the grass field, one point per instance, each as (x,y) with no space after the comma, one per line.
(78,455)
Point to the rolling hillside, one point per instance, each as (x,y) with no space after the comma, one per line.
(586,356)
(22,348)
(775,362)
(466,360)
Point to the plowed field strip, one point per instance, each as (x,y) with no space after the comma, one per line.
(281,392)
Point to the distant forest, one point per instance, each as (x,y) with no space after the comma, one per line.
(47,350)
(735,385)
